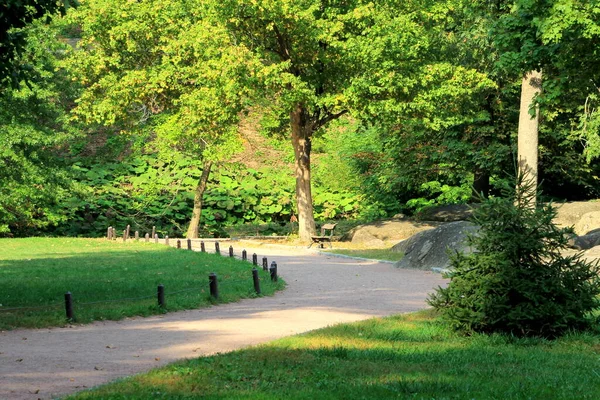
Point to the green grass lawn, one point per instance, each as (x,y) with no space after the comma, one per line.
(37,272)
(413,356)
(373,254)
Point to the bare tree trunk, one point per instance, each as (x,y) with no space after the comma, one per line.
(301,140)
(531,86)
(192,232)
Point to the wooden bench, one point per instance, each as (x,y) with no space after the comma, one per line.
(323,237)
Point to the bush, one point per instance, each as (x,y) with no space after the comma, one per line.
(517,281)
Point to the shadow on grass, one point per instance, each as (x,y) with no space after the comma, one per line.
(367,361)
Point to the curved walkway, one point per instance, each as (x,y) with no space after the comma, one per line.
(322,290)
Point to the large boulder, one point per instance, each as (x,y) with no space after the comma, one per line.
(377,234)
(588,223)
(585,242)
(429,249)
(447,213)
(584,215)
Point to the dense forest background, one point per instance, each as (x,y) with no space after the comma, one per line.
(111,111)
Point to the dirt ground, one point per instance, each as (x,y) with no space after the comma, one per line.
(322,290)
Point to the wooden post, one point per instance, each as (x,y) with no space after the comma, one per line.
(113,233)
(256,280)
(230,251)
(189,244)
(254,259)
(128,230)
(147,237)
(137,236)
(244,255)
(167,240)
(273,271)
(108,233)
(124,235)
(202,247)
(161,296)
(156,238)
(213,285)
(153,231)
(265,264)
(69,306)
(217,249)
(178,244)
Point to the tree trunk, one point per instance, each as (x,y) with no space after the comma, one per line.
(192,232)
(301,140)
(531,86)
(481,185)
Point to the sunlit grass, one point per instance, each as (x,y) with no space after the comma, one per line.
(411,356)
(37,272)
(373,254)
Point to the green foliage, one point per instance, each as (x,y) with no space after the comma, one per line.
(517,281)
(145,191)
(33,135)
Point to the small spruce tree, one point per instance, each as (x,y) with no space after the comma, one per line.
(517,281)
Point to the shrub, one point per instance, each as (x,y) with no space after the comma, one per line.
(517,281)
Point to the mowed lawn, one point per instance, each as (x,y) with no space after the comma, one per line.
(403,357)
(111,280)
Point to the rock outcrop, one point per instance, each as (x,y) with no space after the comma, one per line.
(380,233)
(429,249)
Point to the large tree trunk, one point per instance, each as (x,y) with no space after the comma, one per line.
(192,232)
(531,86)
(302,131)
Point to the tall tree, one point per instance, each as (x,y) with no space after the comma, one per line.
(162,70)
(324,59)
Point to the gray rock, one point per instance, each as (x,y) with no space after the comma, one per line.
(569,214)
(586,242)
(429,249)
(392,230)
(447,213)
(588,223)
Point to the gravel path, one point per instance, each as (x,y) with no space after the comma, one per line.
(322,290)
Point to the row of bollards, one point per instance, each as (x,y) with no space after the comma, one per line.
(212,284)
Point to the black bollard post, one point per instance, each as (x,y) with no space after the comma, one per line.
(265,264)
(230,251)
(254,259)
(217,249)
(147,237)
(189,244)
(256,280)
(69,306)
(178,243)
(244,255)
(212,283)
(273,271)
(156,238)
(202,247)
(161,296)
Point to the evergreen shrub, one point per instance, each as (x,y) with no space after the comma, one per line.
(517,280)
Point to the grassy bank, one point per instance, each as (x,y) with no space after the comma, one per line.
(412,356)
(120,279)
